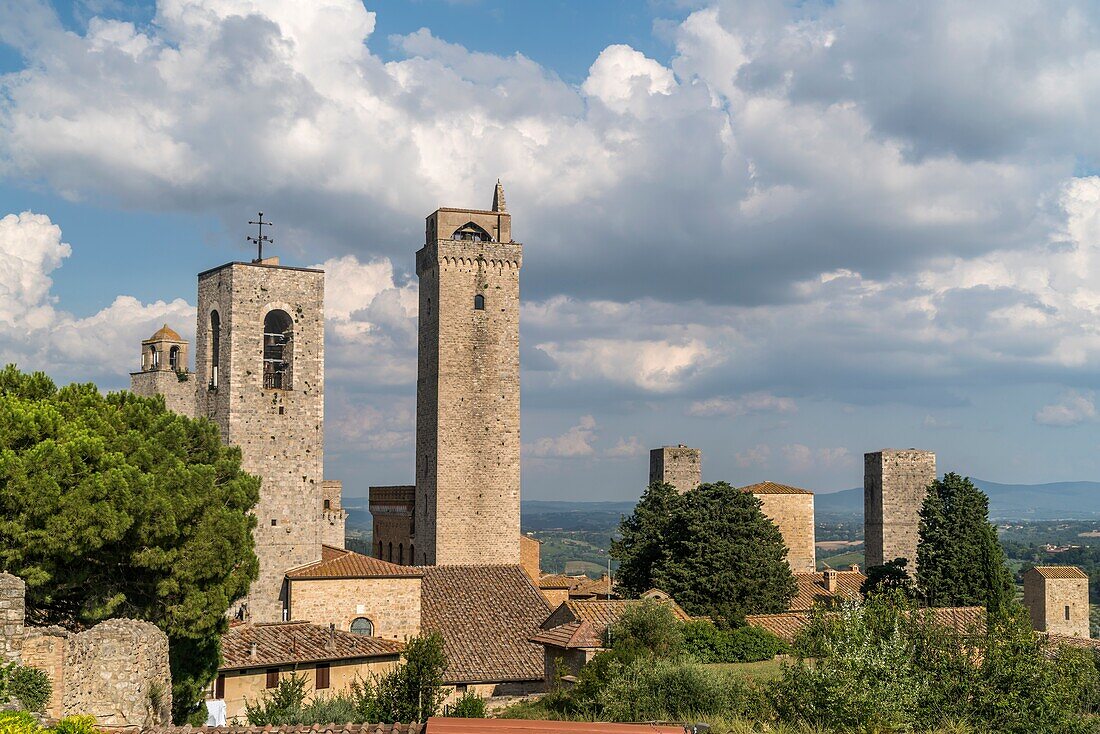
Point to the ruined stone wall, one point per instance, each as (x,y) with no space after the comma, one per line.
(895,483)
(179,396)
(392,604)
(280,431)
(793,514)
(12,612)
(468,403)
(333,516)
(679,466)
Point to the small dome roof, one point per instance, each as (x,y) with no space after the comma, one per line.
(165,334)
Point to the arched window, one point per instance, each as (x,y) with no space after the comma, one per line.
(278,350)
(479,302)
(390,559)
(471,232)
(174,358)
(362,626)
(380,550)
(401,553)
(215,347)
(154,357)
(412,554)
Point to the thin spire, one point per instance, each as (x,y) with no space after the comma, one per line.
(498,198)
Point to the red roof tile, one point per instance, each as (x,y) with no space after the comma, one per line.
(773,488)
(787,625)
(811,589)
(415,728)
(583,622)
(1061,572)
(439,725)
(337,563)
(286,643)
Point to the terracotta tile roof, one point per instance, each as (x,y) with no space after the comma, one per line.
(165,333)
(1085,642)
(773,488)
(487,615)
(572,635)
(1060,572)
(285,643)
(583,622)
(337,563)
(415,728)
(528,726)
(811,589)
(787,625)
(591,587)
(556,581)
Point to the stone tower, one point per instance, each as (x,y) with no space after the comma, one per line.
(676,465)
(467,389)
(895,483)
(164,371)
(1057,598)
(260,375)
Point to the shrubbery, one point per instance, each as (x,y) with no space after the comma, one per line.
(468,706)
(709,643)
(21,722)
(29,686)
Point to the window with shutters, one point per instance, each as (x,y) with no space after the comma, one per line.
(322,676)
(219,687)
(272,677)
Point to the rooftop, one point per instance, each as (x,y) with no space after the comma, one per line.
(583,622)
(166,334)
(337,563)
(811,589)
(787,625)
(767,487)
(1060,572)
(287,643)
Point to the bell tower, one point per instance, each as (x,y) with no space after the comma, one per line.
(164,371)
(467,390)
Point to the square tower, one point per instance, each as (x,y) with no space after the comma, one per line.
(676,465)
(259,368)
(895,483)
(1057,597)
(467,389)
(164,372)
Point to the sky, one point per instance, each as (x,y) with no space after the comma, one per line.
(787,234)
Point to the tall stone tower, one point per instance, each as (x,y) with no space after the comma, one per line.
(467,389)
(260,375)
(679,466)
(895,483)
(164,371)
(1057,598)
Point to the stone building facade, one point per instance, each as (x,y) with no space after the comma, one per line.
(259,366)
(895,483)
(333,515)
(679,466)
(392,512)
(117,671)
(164,371)
(467,398)
(1057,598)
(792,511)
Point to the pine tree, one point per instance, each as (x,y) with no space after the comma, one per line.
(712,549)
(113,506)
(959,559)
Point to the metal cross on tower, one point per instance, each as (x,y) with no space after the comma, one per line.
(260,237)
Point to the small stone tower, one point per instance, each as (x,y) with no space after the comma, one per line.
(676,465)
(260,376)
(1058,599)
(467,391)
(164,372)
(895,483)
(334,516)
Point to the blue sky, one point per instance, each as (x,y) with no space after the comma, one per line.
(788,234)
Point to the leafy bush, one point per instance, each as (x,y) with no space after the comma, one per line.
(279,705)
(31,686)
(672,690)
(648,629)
(468,706)
(708,643)
(336,709)
(76,725)
(22,722)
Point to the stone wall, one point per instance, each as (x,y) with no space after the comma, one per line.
(468,394)
(679,466)
(333,516)
(895,483)
(530,557)
(392,604)
(1057,605)
(280,431)
(793,514)
(12,612)
(179,396)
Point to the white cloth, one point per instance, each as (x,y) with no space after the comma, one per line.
(215,712)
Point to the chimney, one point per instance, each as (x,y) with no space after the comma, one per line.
(331,637)
(830,580)
(252,651)
(854,567)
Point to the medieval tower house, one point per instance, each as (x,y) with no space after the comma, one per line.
(895,483)
(464,506)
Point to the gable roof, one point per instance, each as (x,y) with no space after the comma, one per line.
(767,487)
(583,622)
(285,643)
(787,625)
(338,563)
(811,589)
(486,615)
(556,581)
(1060,572)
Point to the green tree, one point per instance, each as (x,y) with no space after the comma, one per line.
(712,549)
(890,577)
(413,691)
(113,506)
(959,559)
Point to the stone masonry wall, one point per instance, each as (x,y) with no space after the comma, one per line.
(1047,600)
(12,612)
(679,466)
(392,604)
(280,431)
(794,516)
(179,396)
(530,557)
(468,402)
(44,648)
(334,516)
(895,483)
(391,510)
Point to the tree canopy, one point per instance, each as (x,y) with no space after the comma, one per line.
(959,559)
(711,548)
(113,506)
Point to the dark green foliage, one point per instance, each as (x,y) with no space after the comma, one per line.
(709,643)
(279,705)
(113,506)
(468,706)
(959,560)
(712,549)
(661,689)
(891,577)
(31,687)
(414,690)
(646,629)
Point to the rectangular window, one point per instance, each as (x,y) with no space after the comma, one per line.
(219,687)
(272,677)
(1067,612)
(322,676)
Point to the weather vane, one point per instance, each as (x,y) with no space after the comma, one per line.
(260,237)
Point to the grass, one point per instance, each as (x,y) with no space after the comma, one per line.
(763,670)
(842,560)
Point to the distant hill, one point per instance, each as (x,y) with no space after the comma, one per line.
(1054,501)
